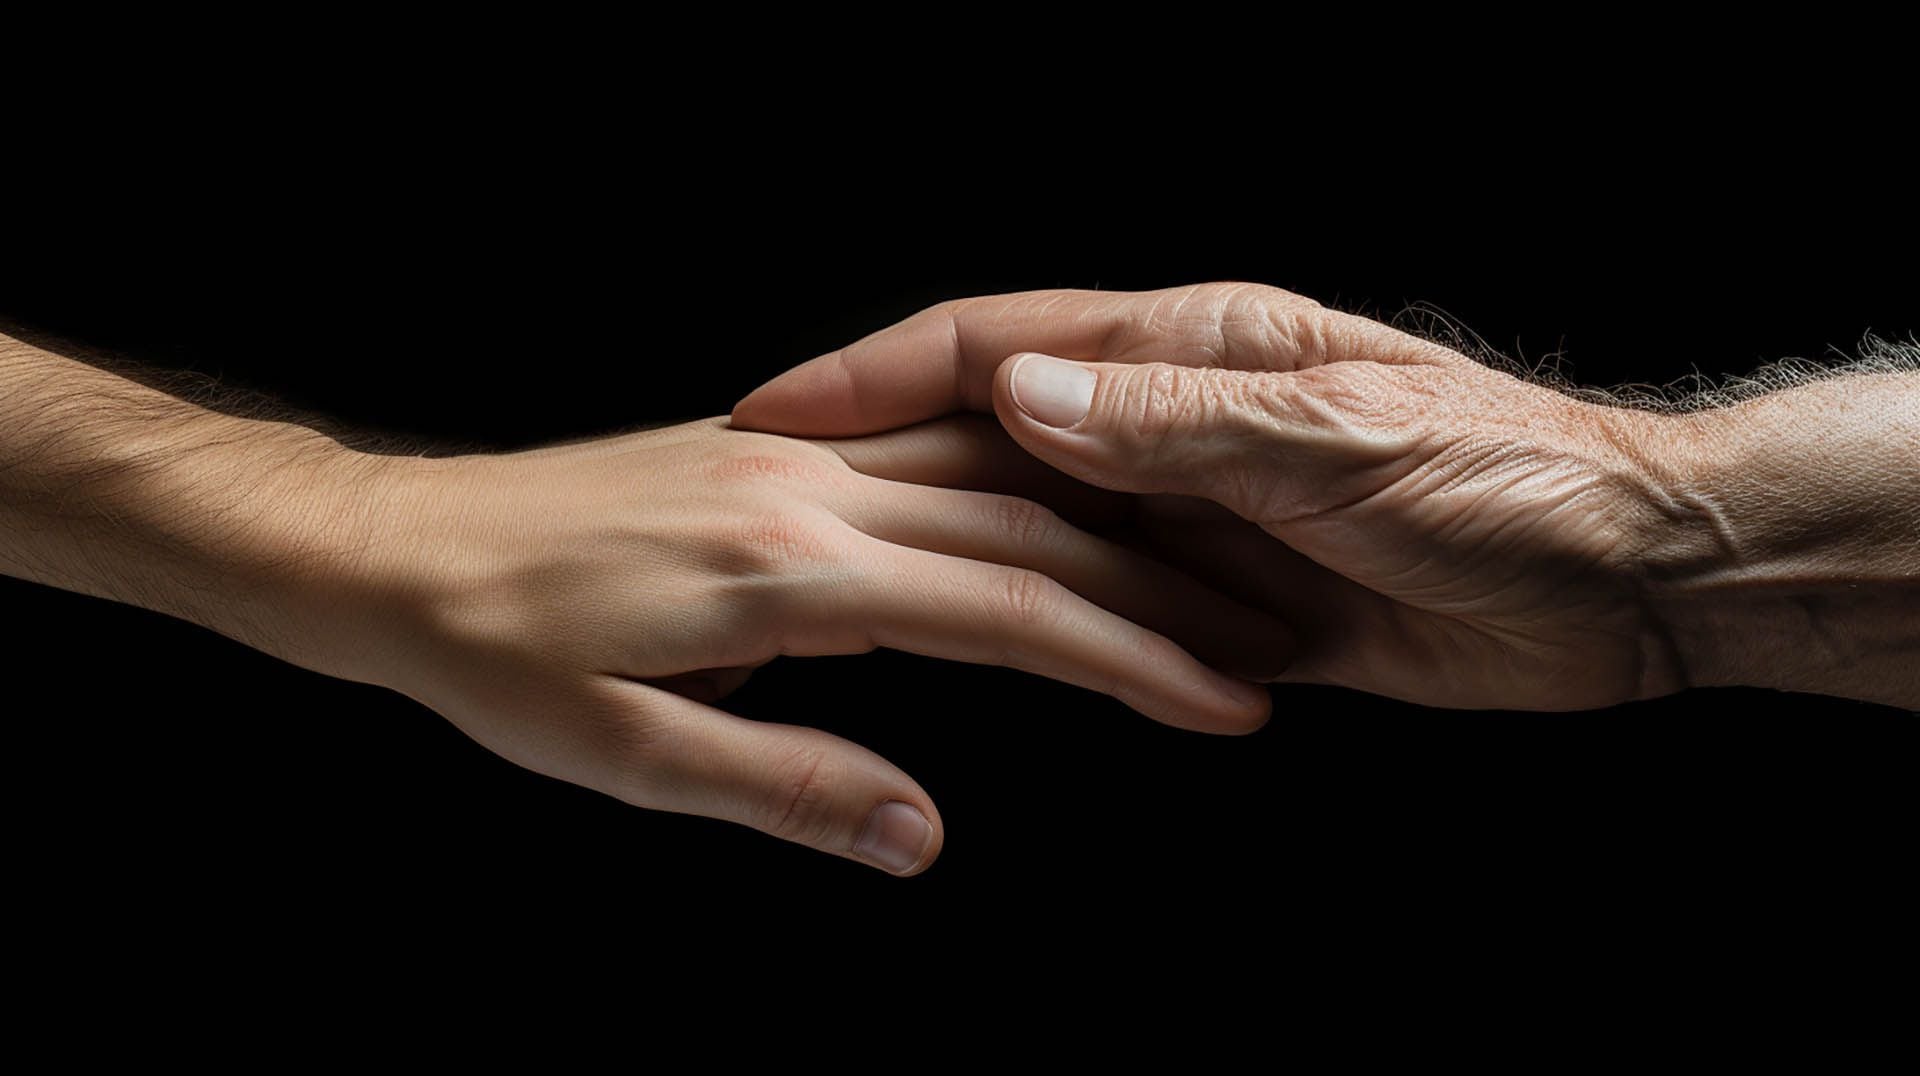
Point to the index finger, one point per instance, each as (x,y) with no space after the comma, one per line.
(942,359)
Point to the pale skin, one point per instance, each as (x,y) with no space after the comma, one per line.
(580,608)
(1436,530)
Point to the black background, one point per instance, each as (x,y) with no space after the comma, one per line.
(167,777)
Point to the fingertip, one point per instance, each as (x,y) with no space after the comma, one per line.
(795,402)
(1253,705)
(1051,392)
(1225,706)
(899,838)
(932,852)
(750,412)
(1004,404)
(935,845)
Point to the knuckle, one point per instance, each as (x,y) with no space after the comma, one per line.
(946,312)
(1164,399)
(638,751)
(1266,330)
(1029,596)
(1224,323)
(1304,334)
(1242,294)
(1344,336)
(798,795)
(1027,524)
(1156,399)
(773,544)
(768,466)
(1224,291)
(1258,316)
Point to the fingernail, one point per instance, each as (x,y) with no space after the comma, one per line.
(1053,391)
(895,838)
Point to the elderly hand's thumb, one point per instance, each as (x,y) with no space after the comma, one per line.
(1238,437)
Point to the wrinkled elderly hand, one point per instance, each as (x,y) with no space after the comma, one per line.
(1436,530)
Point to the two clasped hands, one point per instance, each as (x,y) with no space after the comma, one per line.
(1174,498)
(1294,494)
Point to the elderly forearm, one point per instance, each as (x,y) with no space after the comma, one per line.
(114,489)
(1790,548)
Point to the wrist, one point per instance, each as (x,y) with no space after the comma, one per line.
(320,553)
(1781,539)
(368,553)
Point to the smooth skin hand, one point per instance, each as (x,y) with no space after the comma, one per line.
(578,608)
(586,604)
(1436,530)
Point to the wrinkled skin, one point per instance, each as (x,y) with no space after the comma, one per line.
(1436,530)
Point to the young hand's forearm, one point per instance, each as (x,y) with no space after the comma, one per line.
(578,608)
(114,489)
(1790,555)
